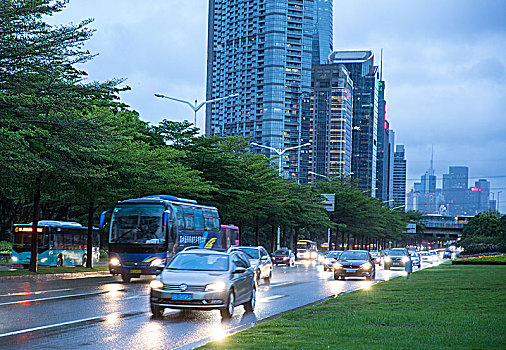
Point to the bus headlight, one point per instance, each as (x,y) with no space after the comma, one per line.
(14,259)
(114,262)
(313,255)
(157,262)
(156,284)
(215,287)
(366,266)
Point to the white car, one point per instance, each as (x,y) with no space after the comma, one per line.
(426,257)
(259,260)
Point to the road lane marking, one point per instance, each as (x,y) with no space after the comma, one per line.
(272,297)
(52,298)
(276,284)
(28,330)
(34,293)
(135,296)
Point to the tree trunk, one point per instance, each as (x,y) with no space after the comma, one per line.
(257,231)
(273,237)
(348,241)
(89,244)
(35,224)
(342,239)
(296,239)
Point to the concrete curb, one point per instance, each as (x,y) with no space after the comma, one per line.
(54,276)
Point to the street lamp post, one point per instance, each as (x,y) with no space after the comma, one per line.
(279,152)
(196,107)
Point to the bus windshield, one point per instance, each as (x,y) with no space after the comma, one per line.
(137,223)
(23,240)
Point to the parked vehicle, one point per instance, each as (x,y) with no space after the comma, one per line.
(355,263)
(330,259)
(205,279)
(283,256)
(259,260)
(396,257)
(447,254)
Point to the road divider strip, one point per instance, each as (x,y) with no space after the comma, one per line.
(40,328)
(272,297)
(52,298)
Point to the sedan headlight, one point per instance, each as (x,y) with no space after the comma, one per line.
(387,259)
(337,265)
(405,259)
(156,284)
(157,262)
(115,262)
(215,287)
(366,266)
(326,261)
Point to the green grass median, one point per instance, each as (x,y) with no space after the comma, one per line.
(445,307)
(52,270)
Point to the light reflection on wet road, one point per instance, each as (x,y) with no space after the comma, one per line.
(106,313)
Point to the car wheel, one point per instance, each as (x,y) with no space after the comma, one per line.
(227,311)
(257,278)
(250,305)
(268,278)
(387,267)
(59,261)
(157,311)
(336,276)
(126,277)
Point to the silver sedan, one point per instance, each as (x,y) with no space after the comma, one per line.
(205,279)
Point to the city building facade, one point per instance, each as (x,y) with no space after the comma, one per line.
(331,121)
(399,177)
(263,50)
(364,75)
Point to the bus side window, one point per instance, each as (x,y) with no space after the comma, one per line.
(178,211)
(188,218)
(199,219)
(67,240)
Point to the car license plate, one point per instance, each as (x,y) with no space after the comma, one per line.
(395,263)
(181,296)
(135,271)
(351,270)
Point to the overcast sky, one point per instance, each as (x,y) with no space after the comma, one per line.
(444,63)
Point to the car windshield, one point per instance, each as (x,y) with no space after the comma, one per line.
(397,253)
(424,253)
(351,255)
(281,252)
(375,255)
(333,254)
(252,253)
(199,262)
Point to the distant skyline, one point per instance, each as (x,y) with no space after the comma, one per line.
(444,63)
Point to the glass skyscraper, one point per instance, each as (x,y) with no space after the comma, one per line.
(331,120)
(399,176)
(263,50)
(365,78)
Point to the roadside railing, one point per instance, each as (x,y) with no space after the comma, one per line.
(5,258)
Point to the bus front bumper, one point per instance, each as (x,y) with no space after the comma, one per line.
(135,270)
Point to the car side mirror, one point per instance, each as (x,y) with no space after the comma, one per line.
(239,269)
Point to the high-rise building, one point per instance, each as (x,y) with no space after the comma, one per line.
(331,120)
(399,176)
(263,50)
(382,156)
(365,78)
(391,151)
(455,188)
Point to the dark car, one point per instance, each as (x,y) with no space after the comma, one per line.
(283,256)
(355,263)
(396,257)
(447,254)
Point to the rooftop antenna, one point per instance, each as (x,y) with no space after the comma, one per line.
(432,161)
(381,65)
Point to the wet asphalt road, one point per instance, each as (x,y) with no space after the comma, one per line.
(105,313)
